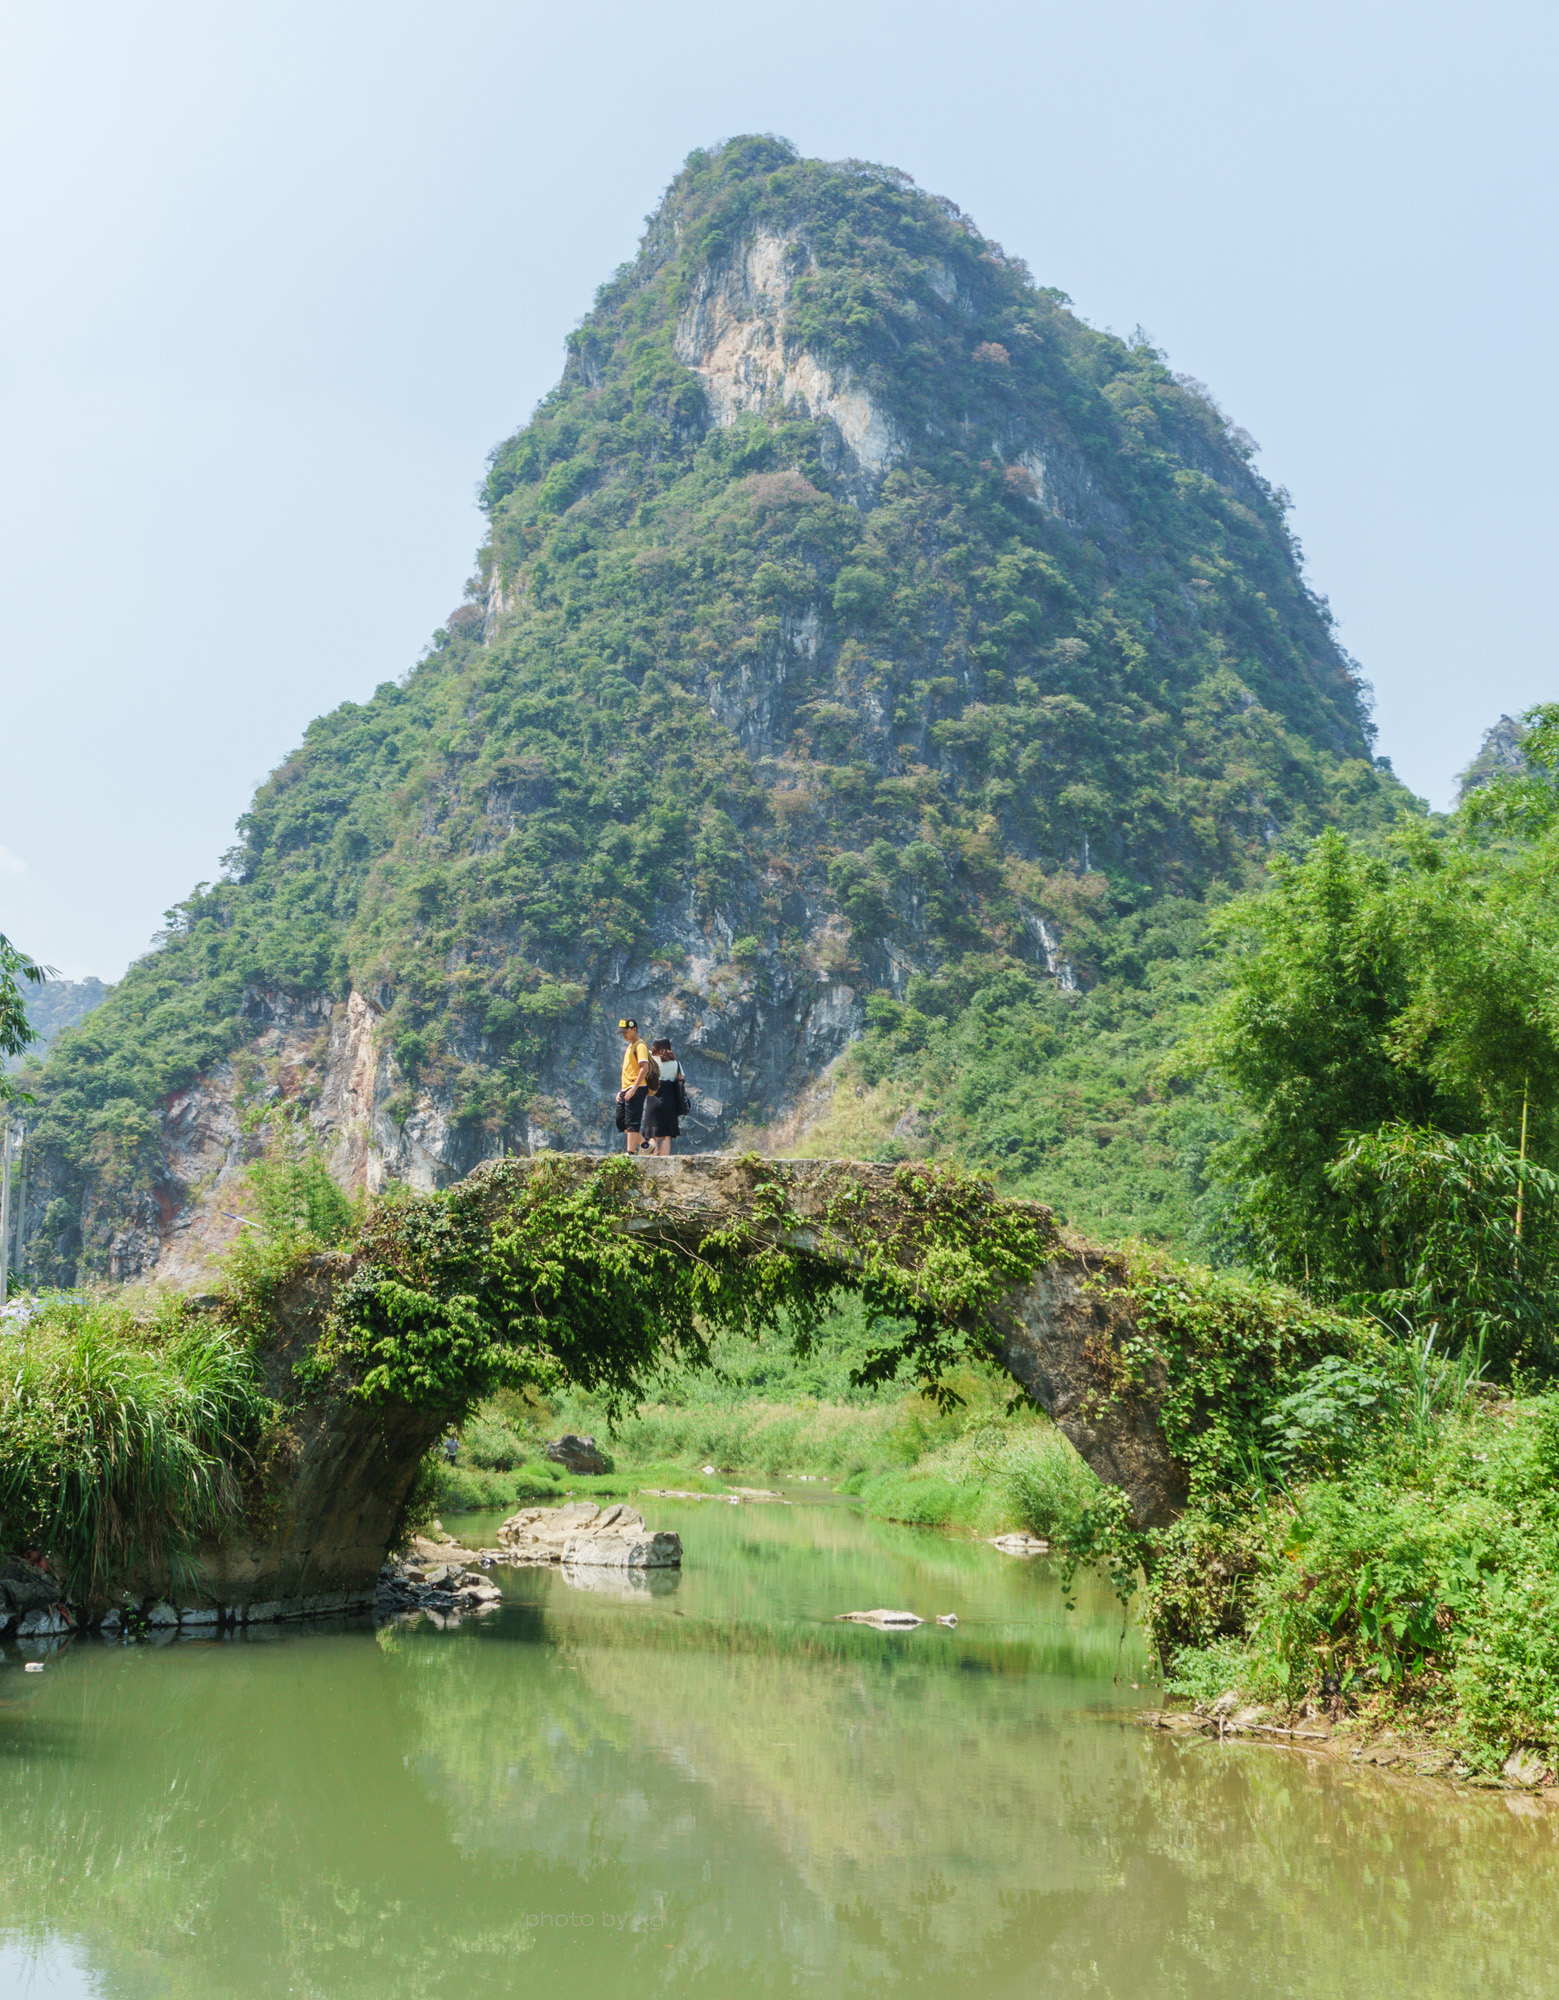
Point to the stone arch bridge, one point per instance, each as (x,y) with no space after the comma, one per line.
(322,1535)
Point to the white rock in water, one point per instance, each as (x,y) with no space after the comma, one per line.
(582,1534)
(1020,1545)
(630,1551)
(885,1621)
(33,1667)
(947,1618)
(162,1613)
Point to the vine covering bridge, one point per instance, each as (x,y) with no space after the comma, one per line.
(590,1270)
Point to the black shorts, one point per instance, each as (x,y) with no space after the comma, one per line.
(660,1115)
(630,1109)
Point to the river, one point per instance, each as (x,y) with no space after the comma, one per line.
(709,1788)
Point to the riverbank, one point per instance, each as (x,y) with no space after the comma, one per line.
(1403,1597)
(1363,1740)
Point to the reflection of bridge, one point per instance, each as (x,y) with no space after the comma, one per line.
(349,1464)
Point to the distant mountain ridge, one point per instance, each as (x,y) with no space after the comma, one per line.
(57,1004)
(850,611)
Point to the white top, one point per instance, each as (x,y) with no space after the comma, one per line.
(670,1069)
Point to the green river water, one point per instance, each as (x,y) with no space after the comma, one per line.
(710,1788)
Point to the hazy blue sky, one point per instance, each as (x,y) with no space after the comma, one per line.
(276,277)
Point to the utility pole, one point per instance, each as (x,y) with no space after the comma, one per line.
(21,1212)
(5,1207)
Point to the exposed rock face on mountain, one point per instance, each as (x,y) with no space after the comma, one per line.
(849,609)
(1499,755)
(732,334)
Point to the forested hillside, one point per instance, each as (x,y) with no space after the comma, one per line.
(858,636)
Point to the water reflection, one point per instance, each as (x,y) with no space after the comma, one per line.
(713,1789)
(623,1586)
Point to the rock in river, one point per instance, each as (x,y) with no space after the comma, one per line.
(25,1586)
(612,1537)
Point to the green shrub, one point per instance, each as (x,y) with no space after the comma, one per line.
(995,1474)
(1419,1584)
(488,1443)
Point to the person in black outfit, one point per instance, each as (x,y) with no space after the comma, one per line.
(666,1104)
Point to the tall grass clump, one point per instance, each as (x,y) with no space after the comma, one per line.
(997,1472)
(122,1437)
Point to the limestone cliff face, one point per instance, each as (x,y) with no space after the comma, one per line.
(733,336)
(318,1060)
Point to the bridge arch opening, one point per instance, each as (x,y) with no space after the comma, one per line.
(593,1270)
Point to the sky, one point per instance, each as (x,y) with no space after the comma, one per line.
(275,278)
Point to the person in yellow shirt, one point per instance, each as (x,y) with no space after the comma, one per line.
(635,1083)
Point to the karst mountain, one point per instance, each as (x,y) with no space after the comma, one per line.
(850,613)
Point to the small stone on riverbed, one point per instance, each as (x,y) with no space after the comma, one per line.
(1525,1767)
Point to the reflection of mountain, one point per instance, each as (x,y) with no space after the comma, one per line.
(780,1805)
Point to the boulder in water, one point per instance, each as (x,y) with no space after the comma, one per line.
(884,1621)
(612,1537)
(24,1587)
